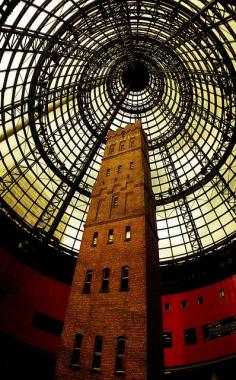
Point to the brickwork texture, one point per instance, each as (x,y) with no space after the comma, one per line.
(122,200)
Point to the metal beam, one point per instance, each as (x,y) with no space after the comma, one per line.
(107,121)
(23,124)
(228,136)
(20,40)
(188,23)
(191,228)
(119,12)
(6,9)
(57,101)
(20,169)
(208,165)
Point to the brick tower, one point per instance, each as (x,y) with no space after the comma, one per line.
(113,321)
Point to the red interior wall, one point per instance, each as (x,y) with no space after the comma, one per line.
(23,291)
(213,309)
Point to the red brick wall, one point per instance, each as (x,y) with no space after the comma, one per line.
(116,313)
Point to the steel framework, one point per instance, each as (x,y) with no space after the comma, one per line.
(62,72)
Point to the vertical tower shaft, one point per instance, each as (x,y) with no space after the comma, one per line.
(113,321)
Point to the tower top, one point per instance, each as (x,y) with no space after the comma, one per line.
(128,128)
(125,139)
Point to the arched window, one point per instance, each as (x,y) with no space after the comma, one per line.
(97,353)
(105,280)
(124,282)
(120,355)
(115,201)
(75,360)
(87,281)
(110,236)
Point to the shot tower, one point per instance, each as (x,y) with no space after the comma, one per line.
(113,322)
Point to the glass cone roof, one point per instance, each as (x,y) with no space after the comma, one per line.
(72,70)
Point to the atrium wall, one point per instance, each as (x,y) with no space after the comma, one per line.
(26,291)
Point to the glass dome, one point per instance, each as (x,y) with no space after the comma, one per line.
(72,70)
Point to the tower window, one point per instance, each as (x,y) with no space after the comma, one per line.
(87,281)
(108,172)
(132,142)
(75,360)
(124,283)
(167,306)
(122,145)
(127,233)
(110,236)
(95,239)
(119,169)
(112,148)
(97,353)
(167,339)
(105,280)
(115,201)
(120,355)
(131,165)
(190,336)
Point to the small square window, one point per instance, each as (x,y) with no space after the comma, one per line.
(132,142)
(95,239)
(119,169)
(110,236)
(131,165)
(127,233)
(122,145)
(208,333)
(108,172)
(167,306)
(112,148)
(190,336)
(184,304)
(115,201)
(167,339)
(221,293)
(200,300)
